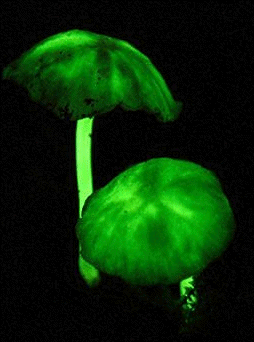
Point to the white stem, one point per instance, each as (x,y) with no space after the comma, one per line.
(84,160)
(85,186)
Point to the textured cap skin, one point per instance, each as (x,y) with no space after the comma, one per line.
(79,74)
(158,222)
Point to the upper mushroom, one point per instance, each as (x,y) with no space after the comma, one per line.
(158,222)
(78,74)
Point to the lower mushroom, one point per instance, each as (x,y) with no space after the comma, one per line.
(158,222)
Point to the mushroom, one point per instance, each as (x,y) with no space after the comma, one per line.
(79,74)
(157,223)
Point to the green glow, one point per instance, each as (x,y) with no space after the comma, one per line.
(158,222)
(85,187)
(79,74)
(84,160)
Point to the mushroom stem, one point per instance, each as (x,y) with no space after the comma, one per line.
(185,285)
(85,186)
(84,160)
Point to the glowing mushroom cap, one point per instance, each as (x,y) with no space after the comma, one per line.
(158,222)
(78,74)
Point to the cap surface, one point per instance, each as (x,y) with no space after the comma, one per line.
(158,222)
(79,74)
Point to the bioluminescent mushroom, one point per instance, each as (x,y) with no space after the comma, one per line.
(78,74)
(158,222)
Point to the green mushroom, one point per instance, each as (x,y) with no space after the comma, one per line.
(158,222)
(78,75)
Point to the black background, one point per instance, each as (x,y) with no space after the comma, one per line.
(203,52)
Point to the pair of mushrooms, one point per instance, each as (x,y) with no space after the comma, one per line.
(158,222)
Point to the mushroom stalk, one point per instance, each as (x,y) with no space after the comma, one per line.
(84,160)
(85,186)
(191,301)
(185,285)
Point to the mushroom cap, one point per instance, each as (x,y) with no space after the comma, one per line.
(158,222)
(78,74)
